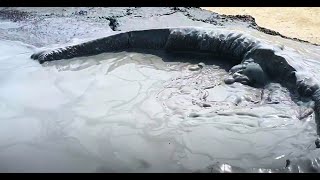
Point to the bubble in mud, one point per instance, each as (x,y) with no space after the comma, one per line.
(194,68)
(229,80)
(201,65)
(194,115)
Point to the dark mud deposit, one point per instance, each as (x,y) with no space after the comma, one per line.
(116,18)
(265,77)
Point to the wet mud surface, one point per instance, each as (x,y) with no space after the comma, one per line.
(147,110)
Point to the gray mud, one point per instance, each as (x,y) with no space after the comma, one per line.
(50,25)
(154,90)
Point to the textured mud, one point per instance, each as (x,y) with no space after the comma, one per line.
(36,21)
(131,93)
(257,60)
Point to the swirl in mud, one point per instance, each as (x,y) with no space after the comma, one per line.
(258,63)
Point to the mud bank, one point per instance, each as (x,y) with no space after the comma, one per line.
(299,22)
(102,20)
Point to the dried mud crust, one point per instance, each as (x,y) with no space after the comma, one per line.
(248,18)
(111,17)
(14,15)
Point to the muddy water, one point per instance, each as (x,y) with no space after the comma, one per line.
(146,112)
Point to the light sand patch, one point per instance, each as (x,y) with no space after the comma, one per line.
(296,22)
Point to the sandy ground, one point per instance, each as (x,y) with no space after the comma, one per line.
(298,22)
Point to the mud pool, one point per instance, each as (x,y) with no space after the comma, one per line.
(143,112)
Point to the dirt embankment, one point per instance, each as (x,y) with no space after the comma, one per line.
(299,22)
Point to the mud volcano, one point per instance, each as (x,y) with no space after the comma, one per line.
(168,99)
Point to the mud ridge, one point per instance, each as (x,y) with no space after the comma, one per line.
(258,62)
